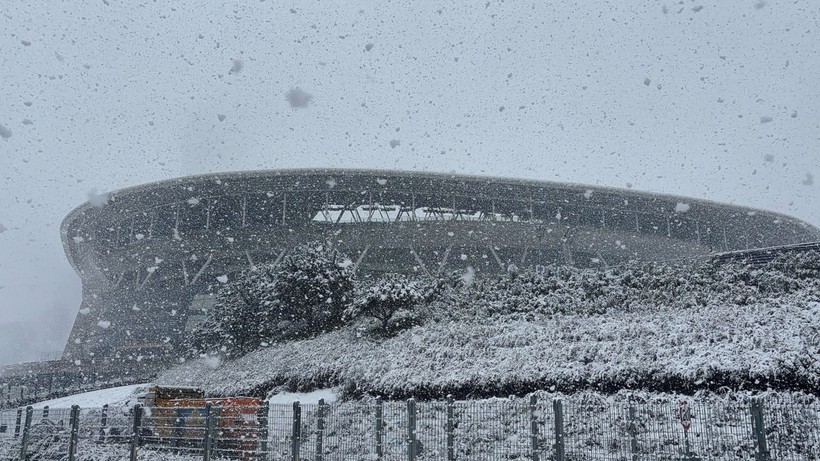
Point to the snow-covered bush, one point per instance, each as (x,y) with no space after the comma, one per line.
(633,287)
(391,300)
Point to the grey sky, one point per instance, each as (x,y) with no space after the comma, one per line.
(719,102)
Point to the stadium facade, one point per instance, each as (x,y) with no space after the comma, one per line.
(151,256)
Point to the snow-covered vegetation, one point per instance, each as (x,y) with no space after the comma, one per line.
(307,294)
(391,300)
(677,328)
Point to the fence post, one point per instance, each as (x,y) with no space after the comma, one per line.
(451,449)
(320,429)
(379,428)
(206,437)
(103,422)
(296,434)
(74,431)
(558,408)
(18,422)
(633,433)
(534,427)
(135,434)
(762,452)
(26,427)
(411,430)
(262,422)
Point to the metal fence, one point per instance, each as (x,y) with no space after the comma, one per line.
(570,429)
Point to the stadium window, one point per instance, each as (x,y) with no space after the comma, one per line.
(341,207)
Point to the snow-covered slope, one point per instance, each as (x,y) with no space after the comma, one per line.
(757,346)
(658,328)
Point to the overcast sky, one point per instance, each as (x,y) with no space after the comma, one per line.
(710,99)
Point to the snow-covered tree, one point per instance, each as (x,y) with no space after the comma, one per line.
(392,300)
(312,289)
(242,317)
(305,295)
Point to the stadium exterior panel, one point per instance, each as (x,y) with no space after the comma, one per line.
(150,257)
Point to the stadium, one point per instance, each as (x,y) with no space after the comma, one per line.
(151,256)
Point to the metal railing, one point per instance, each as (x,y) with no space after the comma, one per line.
(20,392)
(572,428)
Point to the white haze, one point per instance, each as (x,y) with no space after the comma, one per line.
(710,99)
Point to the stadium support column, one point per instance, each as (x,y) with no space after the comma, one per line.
(420,262)
(443,262)
(360,258)
(566,254)
(279,257)
(565,241)
(202,269)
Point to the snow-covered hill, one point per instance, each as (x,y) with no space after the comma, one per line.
(671,329)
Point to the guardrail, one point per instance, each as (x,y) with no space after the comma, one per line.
(562,429)
(12,396)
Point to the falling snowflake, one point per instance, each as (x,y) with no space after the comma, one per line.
(298,98)
(97,199)
(468,277)
(236,66)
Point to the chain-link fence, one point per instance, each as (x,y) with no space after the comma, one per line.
(570,429)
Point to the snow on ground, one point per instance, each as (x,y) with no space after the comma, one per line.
(115,396)
(329,395)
